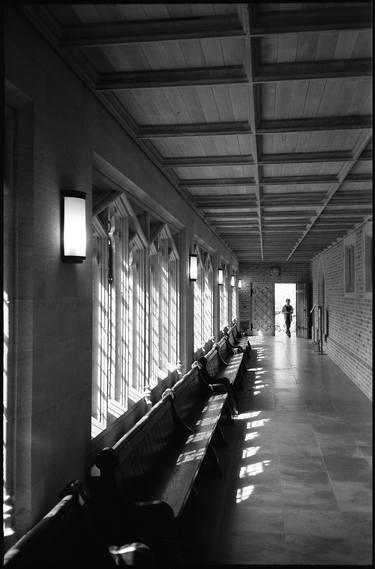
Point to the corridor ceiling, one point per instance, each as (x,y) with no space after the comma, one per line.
(259,114)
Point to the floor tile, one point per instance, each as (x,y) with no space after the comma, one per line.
(312,550)
(317,523)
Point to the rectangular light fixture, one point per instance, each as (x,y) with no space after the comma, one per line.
(73,227)
(220,276)
(232,280)
(239,283)
(193,267)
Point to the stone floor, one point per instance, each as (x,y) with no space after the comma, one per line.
(297,468)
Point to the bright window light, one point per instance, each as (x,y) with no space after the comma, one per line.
(239,283)
(232,280)
(244,493)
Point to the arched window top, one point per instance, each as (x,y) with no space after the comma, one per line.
(159,236)
(208,263)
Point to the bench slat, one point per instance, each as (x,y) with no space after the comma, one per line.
(190,458)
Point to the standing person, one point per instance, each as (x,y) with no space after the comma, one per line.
(287,310)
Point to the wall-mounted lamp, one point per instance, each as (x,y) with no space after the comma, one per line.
(239,283)
(232,280)
(193,267)
(73,227)
(220,276)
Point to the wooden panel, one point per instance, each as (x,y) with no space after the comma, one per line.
(311,141)
(364,167)
(305,99)
(215,172)
(204,145)
(228,190)
(301,169)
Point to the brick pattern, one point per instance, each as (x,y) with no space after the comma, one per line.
(349,340)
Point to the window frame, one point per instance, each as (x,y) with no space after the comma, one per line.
(349,264)
(367,269)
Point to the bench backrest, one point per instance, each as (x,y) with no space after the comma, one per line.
(168,382)
(190,396)
(213,365)
(140,450)
(65,537)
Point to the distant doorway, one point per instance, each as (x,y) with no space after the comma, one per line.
(282,292)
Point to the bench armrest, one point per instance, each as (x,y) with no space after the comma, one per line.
(220,387)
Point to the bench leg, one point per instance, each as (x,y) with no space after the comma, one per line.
(215,459)
(229,413)
(220,435)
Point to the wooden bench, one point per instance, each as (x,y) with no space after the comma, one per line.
(226,365)
(237,340)
(147,476)
(66,537)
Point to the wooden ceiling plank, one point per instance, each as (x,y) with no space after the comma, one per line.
(146,31)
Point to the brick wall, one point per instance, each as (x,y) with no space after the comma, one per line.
(349,339)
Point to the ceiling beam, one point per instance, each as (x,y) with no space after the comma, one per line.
(194,161)
(146,31)
(345,170)
(315,20)
(359,178)
(308,70)
(355,122)
(250,59)
(366,155)
(264,160)
(208,182)
(194,129)
(267,181)
(288,180)
(120,81)
(305,157)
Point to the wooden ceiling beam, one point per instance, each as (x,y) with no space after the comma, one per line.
(210,182)
(264,160)
(147,31)
(159,78)
(356,122)
(366,155)
(194,161)
(315,20)
(343,174)
(309,70)
(289,180)
(304,157)
(194,129)
(267,181)
(359,178)
(250,60)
